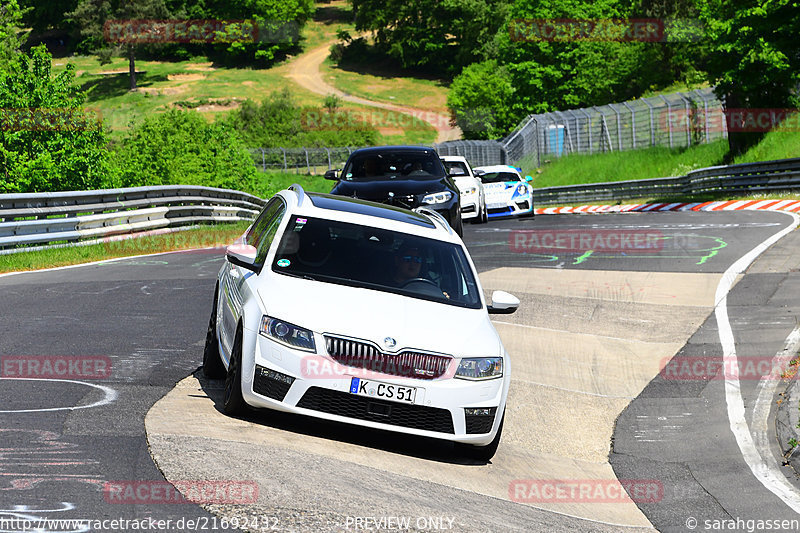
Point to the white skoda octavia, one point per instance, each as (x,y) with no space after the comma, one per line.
(362,313)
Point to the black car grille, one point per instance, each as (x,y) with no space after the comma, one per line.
(271,384)
(496,210)
(396,414)
(409,202)
(410,364)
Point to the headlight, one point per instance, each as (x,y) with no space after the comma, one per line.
(288,334)
(437,198)
(522,189)
(480,368)
(471,190)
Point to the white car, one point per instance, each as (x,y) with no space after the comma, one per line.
(473,197)
(507,192)
(358,312)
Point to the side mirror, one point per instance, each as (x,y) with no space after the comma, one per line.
(478,172)
(503,303)
(528,178)
(243,255)
(332,174)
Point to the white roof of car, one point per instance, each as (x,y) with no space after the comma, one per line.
(498,168)
(355,211)
(453,158)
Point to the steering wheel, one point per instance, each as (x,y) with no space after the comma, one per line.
(426,286)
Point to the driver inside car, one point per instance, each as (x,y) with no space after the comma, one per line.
(407,265)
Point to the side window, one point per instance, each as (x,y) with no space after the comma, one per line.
(266,225)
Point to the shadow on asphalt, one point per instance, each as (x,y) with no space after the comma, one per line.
(400,444)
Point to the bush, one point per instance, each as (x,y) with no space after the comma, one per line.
(48,142)
(180,147)
(480,101)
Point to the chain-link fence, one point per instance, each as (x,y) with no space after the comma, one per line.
(675,120)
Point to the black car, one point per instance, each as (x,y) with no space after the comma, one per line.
(405,176)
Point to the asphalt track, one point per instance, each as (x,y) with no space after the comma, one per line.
(588,343)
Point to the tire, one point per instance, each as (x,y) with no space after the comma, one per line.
(233,402)
(482,453)
(484,216)
(459,227)
(212,364)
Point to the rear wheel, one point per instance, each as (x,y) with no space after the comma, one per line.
(484,216)
(482,453)
(459,227)
(233,403)
(212,365)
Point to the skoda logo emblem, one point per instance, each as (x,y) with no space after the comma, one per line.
(389,342)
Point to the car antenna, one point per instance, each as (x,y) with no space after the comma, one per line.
(298,190)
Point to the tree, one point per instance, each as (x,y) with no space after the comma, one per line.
(43,15)
(92,16)
(48,142)
(10,35)
(480,101)
(754,60)
(441,34)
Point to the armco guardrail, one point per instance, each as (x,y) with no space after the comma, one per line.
(780,175)
(36,220)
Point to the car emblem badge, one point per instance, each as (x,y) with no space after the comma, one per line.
(389,342)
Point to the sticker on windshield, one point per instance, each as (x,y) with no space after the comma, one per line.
(299,223)
(283,263)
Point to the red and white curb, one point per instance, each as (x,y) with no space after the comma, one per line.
(732,205)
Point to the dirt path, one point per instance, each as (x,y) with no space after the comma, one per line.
(305,71)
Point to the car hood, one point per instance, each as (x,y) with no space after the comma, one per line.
(380,189)
(374,315)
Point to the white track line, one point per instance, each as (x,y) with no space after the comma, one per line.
(766,472)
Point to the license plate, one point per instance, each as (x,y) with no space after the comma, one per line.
(384,391)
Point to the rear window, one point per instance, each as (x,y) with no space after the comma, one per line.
(417,164)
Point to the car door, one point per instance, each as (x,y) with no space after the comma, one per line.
(235,288)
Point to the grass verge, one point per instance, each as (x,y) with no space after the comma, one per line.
(218,235)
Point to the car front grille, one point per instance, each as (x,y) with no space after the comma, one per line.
(496,210)
(410,364)
(409,202)
(396,414)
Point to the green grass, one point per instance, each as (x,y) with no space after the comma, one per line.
(270,182)
(654,162)
(779,144)
(203,237)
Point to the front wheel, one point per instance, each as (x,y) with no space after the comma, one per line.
(212,365)
(233,403)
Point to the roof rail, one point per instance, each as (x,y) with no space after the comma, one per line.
(298,190)
(435,216)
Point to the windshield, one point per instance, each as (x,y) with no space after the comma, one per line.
(384,260)
(456,168)
(500,177)
(418,164)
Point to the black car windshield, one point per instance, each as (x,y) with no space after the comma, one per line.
(372,258)
(405,164)
(500,177)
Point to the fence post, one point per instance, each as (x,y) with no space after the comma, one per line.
(652,126)
(588,128)
(329,159)
(633,125)
(285,167)
(308,164)
(687,107)
(263,161)
(669,118)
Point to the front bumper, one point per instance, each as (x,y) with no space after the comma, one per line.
(284,379)
(521,205)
